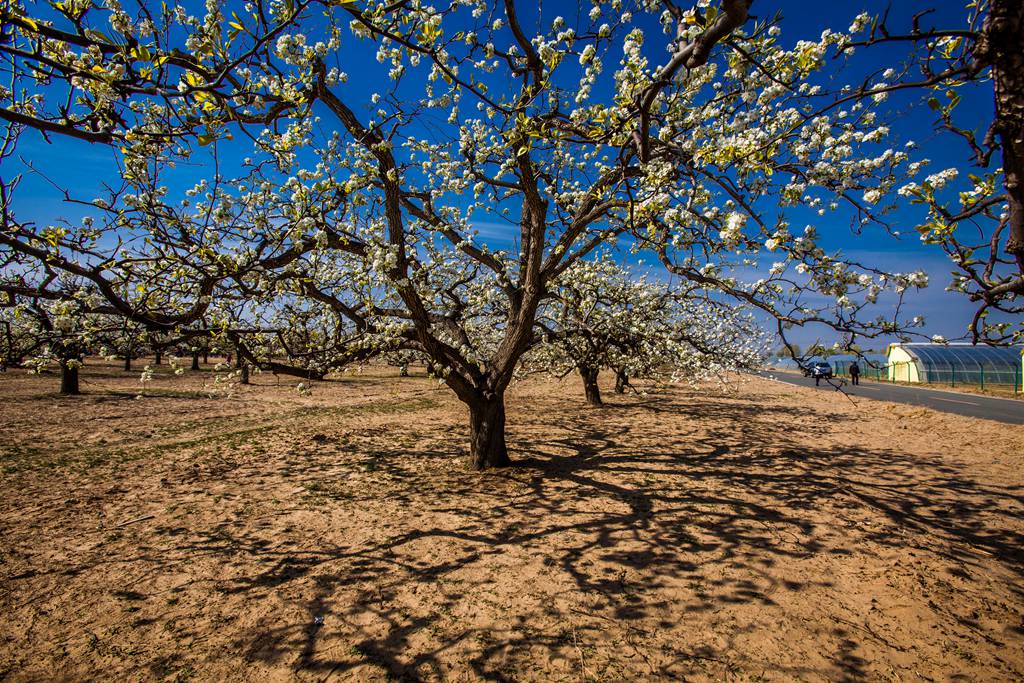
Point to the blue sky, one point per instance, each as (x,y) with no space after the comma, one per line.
(82,168)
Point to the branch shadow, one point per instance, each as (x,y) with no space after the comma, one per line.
(636,520)
(658,512)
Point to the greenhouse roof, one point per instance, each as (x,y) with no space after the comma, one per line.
(965,356)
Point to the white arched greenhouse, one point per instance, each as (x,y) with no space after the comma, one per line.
(954,364)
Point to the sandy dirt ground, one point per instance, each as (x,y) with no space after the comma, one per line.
(745,531)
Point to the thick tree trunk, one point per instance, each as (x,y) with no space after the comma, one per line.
(128,362)
(195,360)
(1004,48)
(487,433)
(245,372)
(621,381)
(589,376)
(206,357)
(159,357)
(69,377)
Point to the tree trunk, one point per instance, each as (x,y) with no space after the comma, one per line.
(487,433)
(1002,43)
(159,357)
(195,360)
(69,378)
(127,362)
(621,381)
(241,365)
(206,357)
(589,376)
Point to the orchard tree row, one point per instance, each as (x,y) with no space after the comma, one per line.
(40,335)
(598,316)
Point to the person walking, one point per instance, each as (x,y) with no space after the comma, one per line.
(854,373)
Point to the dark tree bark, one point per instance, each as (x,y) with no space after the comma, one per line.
(242,365)
(290,370)
(1001,45)
(206,357)
(195,360)
(159,357)
(487,433)
(621,381)
(128,362)
(69,377)
(589,376)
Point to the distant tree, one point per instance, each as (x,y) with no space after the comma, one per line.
(784,352)
(52,332)
(600,316)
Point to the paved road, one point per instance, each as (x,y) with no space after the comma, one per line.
(999,409)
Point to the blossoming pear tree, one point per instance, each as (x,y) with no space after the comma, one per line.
(602,316)
(691,132)
(40,332)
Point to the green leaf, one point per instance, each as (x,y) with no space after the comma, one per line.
(98,35)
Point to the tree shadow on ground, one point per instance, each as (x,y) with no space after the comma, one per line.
(635,523)
(626,516)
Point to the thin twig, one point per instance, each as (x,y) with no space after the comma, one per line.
(132,521)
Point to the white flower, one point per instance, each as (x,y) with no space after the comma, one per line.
(860,22)
(733,228)
(940,179)
(908,190)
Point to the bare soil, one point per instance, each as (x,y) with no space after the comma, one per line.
(740,531)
